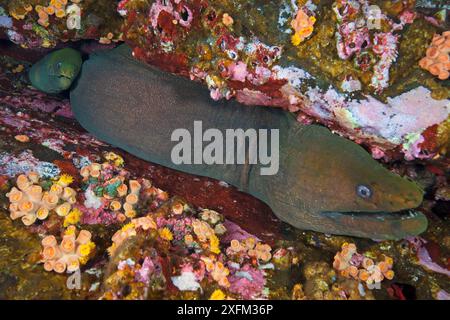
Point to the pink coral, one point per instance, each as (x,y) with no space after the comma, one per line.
(248,282)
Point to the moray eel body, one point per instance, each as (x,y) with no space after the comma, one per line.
(56,71)
(325,183)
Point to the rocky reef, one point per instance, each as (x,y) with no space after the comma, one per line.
(354,66)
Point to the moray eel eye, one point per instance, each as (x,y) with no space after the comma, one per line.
(58,65)
(363,191)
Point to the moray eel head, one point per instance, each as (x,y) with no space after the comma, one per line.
(345,191)
(56,71)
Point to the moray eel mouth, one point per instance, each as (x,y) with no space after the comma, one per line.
(381,225)
(63,76)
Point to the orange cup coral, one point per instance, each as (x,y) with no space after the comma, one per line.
(29,202)
(350,264)
(437,60)
(70,254)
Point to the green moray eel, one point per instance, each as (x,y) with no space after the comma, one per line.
(56,71)
(324,183)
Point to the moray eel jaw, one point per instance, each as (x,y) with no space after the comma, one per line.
(379,225)
(332,185)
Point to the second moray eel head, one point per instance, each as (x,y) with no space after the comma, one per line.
(338,188)
(56,71)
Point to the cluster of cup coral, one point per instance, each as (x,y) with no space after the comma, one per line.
(108,186)
(130,230)
(351,264)
(72,252)
(60,9)
(437,60)
(196,236)
(251,247)
(34,198)
(171,226)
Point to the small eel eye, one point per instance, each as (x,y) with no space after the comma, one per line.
(363,191)
(59,65)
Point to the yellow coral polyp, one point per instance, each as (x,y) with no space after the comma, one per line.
(295,39)
(165,234)
(65,180)
(214,244)
(73,217)
(128,226)
(217,295)
(86,249)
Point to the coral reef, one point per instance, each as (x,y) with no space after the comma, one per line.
(34,199)
(325,65)
(200,264)
(170,248)
(36,23)
(327,61)
(350,263)
(73,251)
(173,249)
(437,60)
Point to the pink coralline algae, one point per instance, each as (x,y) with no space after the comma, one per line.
(36,100)
(358,37)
